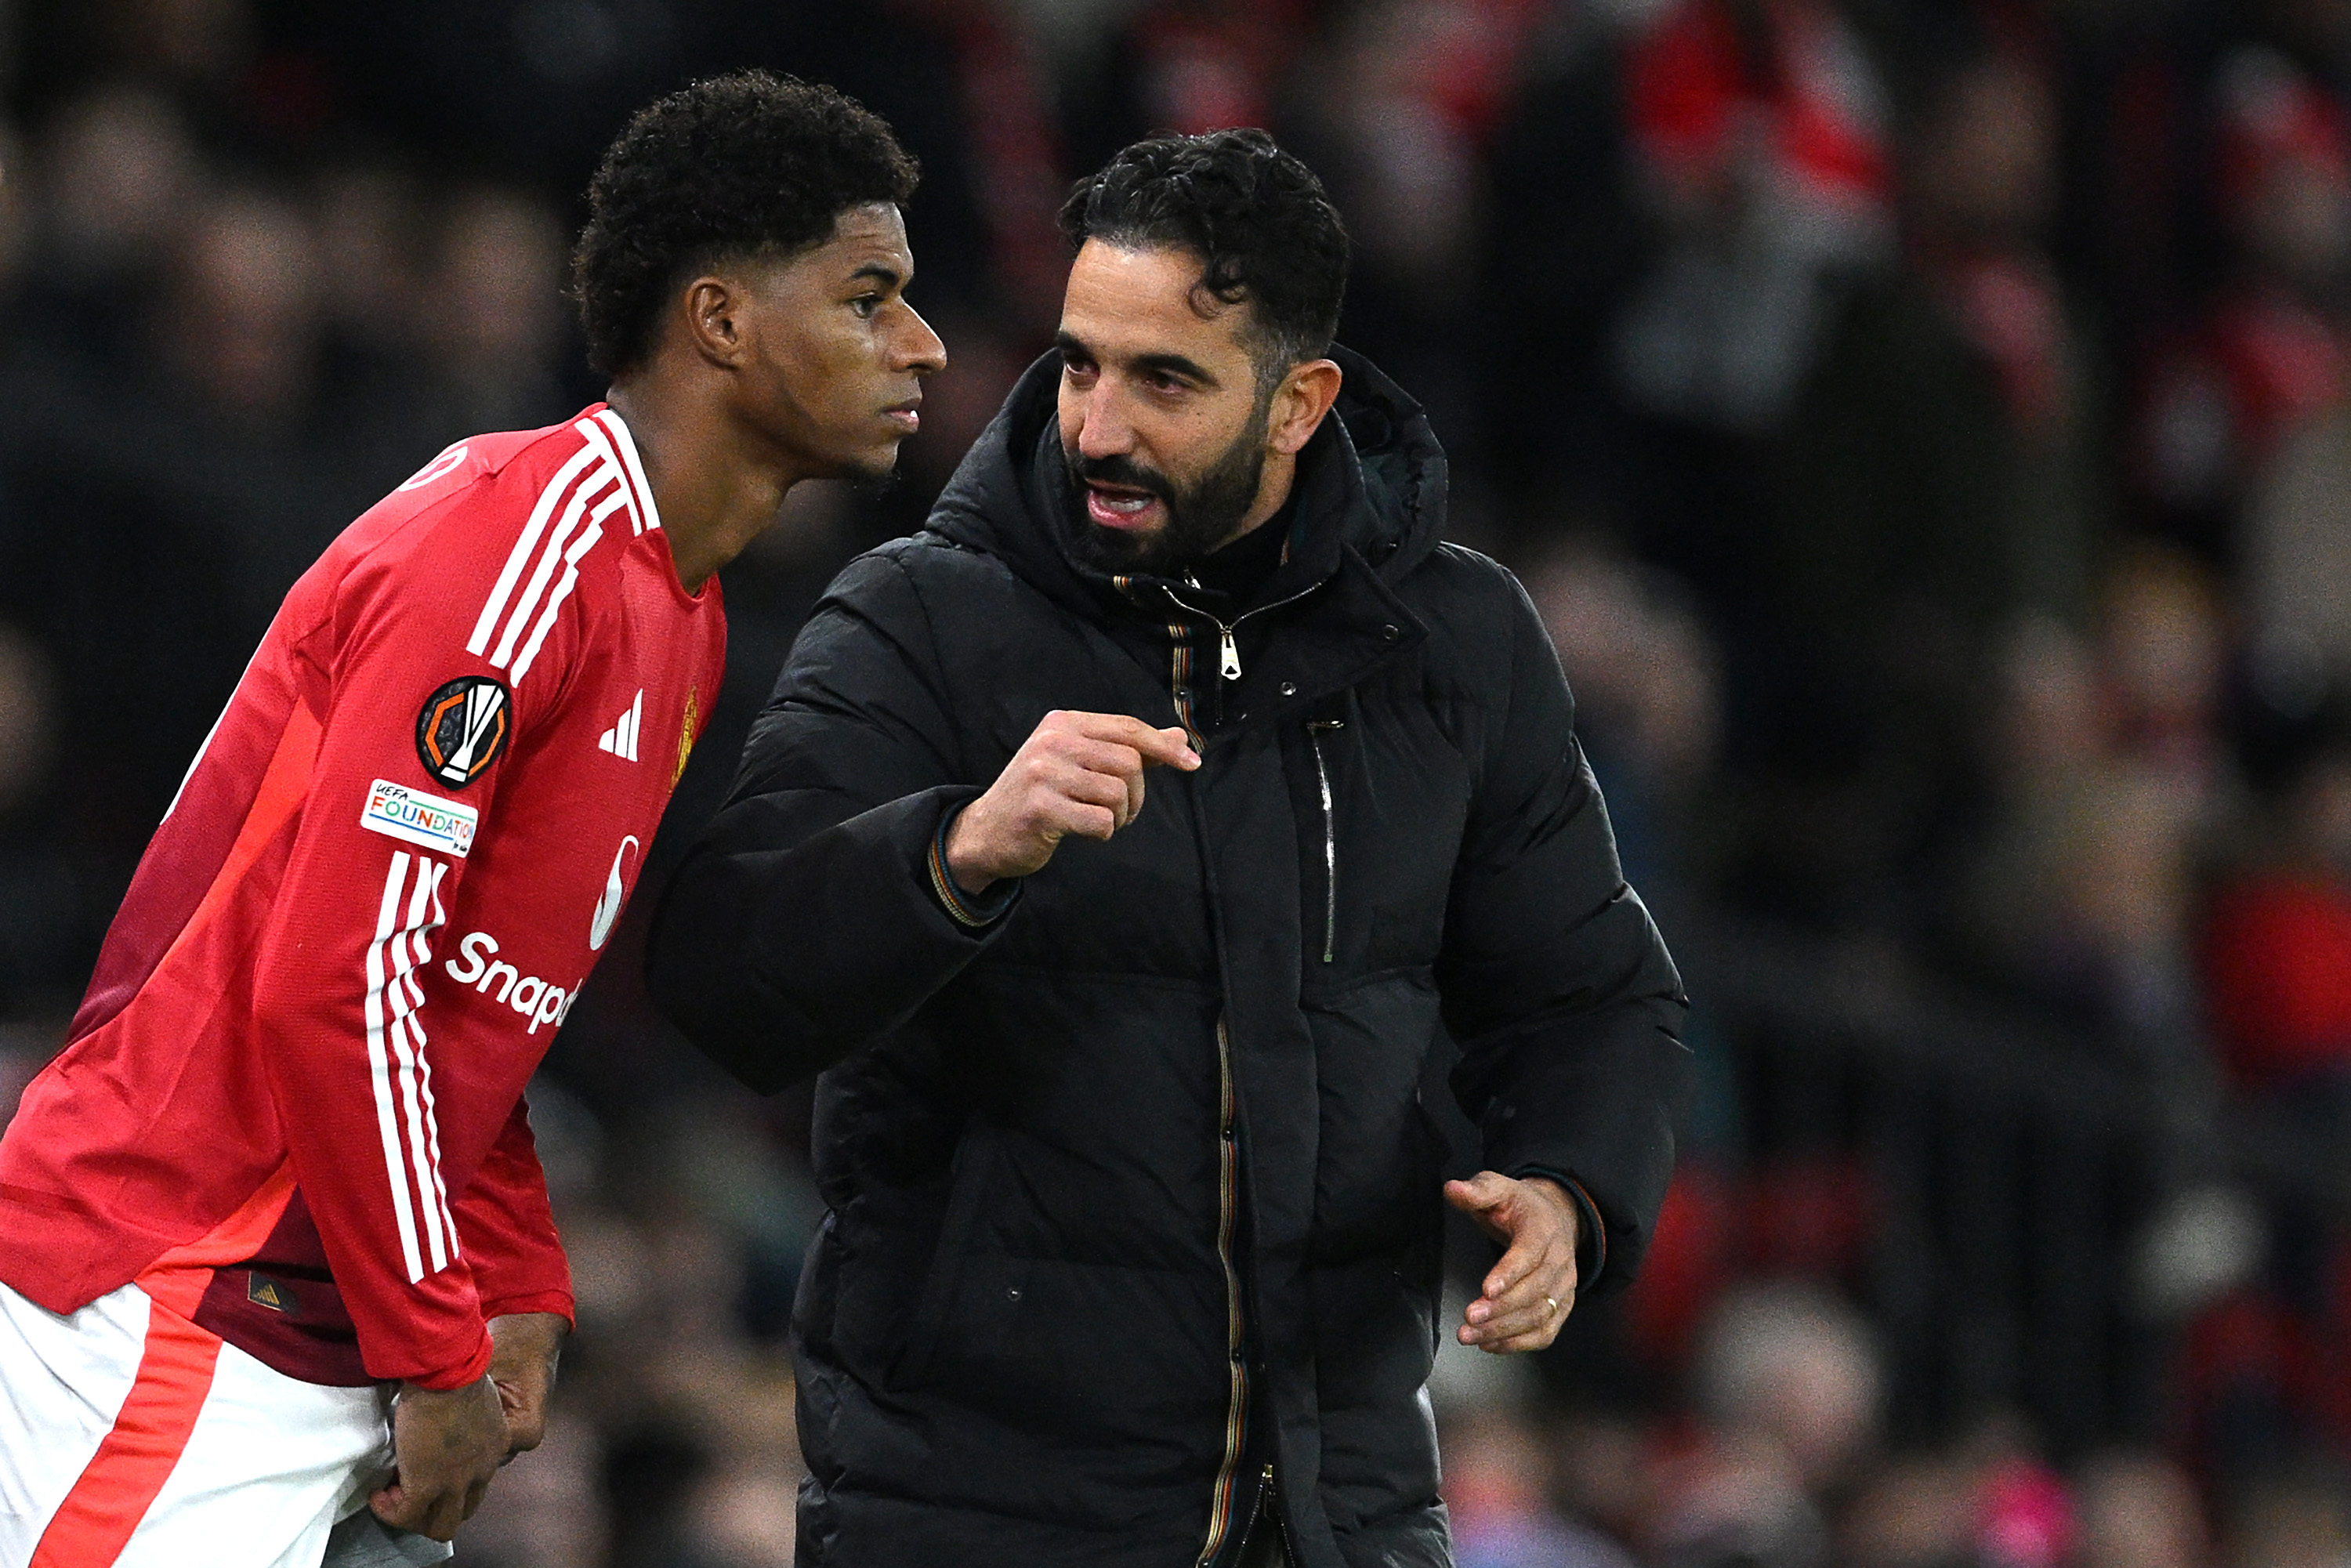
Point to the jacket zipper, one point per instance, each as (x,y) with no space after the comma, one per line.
(1228,661)
(1220,1507)
(1257,1513)
(1269,1497)
(1330,837)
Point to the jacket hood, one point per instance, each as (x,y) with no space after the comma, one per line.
(1371,486)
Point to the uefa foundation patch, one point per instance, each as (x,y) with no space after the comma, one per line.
(463,729)
(413,818)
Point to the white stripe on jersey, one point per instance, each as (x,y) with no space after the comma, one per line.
(400,948)
(579,547)
(597,438)
(526,603)
(524,546)
(379,1063)
(432,1136)
(423,943)
(648,514)
(423,940)
(603,473)
(411,1051)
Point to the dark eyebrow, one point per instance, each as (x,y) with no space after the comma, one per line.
(1173,364)
(888,277)
(1147,364)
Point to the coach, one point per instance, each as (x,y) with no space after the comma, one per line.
(1119,849)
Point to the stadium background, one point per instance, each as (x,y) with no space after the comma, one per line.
(1923,423)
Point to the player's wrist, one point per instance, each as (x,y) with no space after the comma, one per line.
(453,1403)
(527,1333)
(458,1374)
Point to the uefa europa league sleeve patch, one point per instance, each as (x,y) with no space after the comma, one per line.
(463,728)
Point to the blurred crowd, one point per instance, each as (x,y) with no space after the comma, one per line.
(1925,425)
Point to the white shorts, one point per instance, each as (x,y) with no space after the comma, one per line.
(129,1436)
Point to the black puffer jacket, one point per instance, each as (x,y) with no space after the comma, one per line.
(1147,1155)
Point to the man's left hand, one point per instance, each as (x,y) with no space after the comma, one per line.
(524,1348)
(1530,1292)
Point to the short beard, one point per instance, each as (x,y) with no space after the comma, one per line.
(1200,519)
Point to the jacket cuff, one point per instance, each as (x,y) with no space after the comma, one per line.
(965,909)
(1591,1231)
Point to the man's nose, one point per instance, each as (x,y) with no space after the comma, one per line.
(921,349)
(1106,431)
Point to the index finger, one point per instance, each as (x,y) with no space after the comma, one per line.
(1169,747)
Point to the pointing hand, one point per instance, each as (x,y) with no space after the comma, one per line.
(1079,773)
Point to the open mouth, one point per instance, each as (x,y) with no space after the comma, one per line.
(904,414)
(1118,505)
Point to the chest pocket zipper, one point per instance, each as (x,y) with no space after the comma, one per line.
(1314,731)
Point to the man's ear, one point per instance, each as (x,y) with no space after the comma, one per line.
(1300,403)
(714,320)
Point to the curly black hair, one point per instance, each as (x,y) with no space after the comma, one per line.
(741,164)
(1255,215)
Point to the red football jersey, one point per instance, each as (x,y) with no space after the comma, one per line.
(290,1104)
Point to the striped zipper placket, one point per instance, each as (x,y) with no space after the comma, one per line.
(1179,637)
(1220,1509)
(1179,663)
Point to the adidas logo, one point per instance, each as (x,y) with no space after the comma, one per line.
(621,741)
(264,1291)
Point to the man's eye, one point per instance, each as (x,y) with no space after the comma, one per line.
(866,304)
